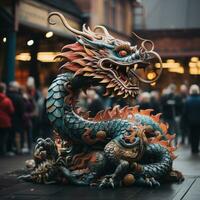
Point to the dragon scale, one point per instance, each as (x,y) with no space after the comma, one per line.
(119,146)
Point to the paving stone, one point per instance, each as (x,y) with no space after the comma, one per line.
(193,192)
(11,188)
(30,191)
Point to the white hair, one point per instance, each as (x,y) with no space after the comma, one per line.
(14,86)
(30,82)
(194,89)
(145,97)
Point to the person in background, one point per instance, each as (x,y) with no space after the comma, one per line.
(144,100)
(15,138)
(155,102)
(183,126)
(94,102)
(6,110)
(34,94)
(82,102)
(191,117)
(169,106)
(31,89)
(29,108)
(117,102)
(107,102)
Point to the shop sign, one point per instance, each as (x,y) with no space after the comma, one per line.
(36,16)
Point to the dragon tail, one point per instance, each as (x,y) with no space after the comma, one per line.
(144,117)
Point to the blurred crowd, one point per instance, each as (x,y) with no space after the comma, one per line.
(180,108)
(23,115)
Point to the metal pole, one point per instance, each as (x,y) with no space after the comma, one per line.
(11,44)
(10,56)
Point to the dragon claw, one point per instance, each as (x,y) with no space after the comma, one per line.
(107,182)
(149,182)
(45,148)
(112,183)
(154,182)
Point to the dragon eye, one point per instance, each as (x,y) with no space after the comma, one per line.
(123,53)
(123,50)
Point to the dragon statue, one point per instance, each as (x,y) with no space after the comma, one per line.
(119,146)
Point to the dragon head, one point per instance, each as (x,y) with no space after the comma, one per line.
(109,61)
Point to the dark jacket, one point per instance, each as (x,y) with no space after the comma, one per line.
(155,105)
(170,106)
(6,110)
(95,106)
(191,113)
(18,116)
(145,105)
(29,108)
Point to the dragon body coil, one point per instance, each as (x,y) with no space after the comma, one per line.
(118,146)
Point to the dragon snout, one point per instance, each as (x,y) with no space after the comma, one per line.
(143,62)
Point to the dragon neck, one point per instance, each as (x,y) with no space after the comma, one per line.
(63,117)
(103,127)
(56,100)
(60,103)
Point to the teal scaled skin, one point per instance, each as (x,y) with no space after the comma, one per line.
(112,164)
(101,152)
(72,127)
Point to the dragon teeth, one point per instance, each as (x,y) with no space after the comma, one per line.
(111,85)
(135,67)
(88,69)
(84,91)
(116,88)
(105,80)
(127,69)
(114,80)
(125,96)
(98,76)
(120,93)
(87,74)
(117,67)
(121,87)
(126,81)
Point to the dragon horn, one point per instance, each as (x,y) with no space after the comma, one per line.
(103,29)
(66,24)
(144,41)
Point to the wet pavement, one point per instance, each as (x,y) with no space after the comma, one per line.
(186,162)
(11,188)
(12,163)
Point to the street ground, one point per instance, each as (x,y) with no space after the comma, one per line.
(189,165)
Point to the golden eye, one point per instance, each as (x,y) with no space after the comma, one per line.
(123,53)
(123,50)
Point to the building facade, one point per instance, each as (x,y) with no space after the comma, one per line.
(28,42)
(116,15)
(174,28)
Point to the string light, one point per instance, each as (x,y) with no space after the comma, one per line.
(49,34)
(30,42)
